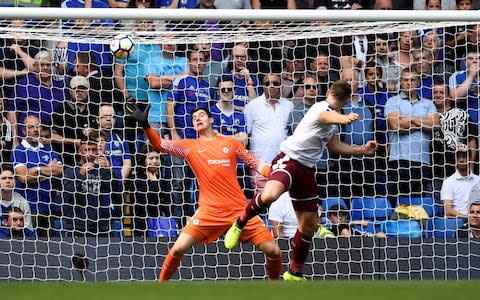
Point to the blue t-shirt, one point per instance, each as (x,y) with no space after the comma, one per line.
(377,101)
(414,146)
(158,99)
(471,105)
(240,96)
(361,131)
(228,124)
(32,97)
(188,92)
(116,150)
(136,68)
(37,195)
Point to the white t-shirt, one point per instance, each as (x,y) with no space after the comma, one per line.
(457,188)
(282,211)
(310,138)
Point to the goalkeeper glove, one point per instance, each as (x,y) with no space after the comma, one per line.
(139,115)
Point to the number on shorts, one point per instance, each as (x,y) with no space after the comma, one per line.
(280,164)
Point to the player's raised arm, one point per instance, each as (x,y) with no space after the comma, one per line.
(332,117)
(171,147)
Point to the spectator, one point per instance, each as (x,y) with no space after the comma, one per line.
(282,218)
(72,120)
(187,93)
(406,42)
(338,217)
(101,81)
(339,4)
(6,133)
(10,198)
(271,4)
(456,37)
(411,121)
(444,4)
(150,190)
(35,166)
(15,58)
(431,41)
(375,95)
(455,128)
(160,70)
(214,66)
(464,84)
(383,5)
(433,5)
(90,192)
(381,56)
(130,73)
(247,85)
(117,149)
(320,66)
(357,173)
(293,73)
(457,187)
(266,119)
(36,93)
(13,225)
(423,65)
(472,228)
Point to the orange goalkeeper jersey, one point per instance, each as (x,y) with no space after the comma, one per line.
(214,162)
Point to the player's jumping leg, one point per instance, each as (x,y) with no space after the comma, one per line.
(255,207)
(301,245)
(171,263)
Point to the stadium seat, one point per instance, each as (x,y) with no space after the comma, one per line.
(442,227)
(162,227)
(426,202)
(402,228)
(117,228)
(371,208)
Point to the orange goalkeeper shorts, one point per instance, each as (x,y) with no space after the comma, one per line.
(206,227)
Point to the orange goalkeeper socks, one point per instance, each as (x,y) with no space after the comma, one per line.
(170,265)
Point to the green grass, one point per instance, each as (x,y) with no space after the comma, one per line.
(244,290)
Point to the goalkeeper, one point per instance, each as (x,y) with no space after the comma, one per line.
(213,158)
(293,170)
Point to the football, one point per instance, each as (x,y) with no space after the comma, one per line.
(122,46)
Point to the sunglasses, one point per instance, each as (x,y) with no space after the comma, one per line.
(310,86)
(226,89)
(272,83)
(475,212)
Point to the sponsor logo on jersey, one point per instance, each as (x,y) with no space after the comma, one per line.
(223,162)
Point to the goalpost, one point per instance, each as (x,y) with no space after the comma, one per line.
(294,44)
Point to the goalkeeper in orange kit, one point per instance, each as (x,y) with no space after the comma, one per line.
(213,158)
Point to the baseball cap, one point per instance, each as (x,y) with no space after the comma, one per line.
(79,81)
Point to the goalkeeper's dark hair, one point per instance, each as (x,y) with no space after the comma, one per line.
(208,112)
(341,90)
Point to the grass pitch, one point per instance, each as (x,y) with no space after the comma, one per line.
(244,290)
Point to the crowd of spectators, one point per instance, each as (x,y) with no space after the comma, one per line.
(83,166)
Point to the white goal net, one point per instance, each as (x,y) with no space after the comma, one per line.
(85,197)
